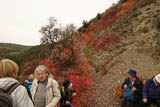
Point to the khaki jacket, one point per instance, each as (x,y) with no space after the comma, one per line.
(52,92)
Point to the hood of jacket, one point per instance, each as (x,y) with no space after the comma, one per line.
(6,82)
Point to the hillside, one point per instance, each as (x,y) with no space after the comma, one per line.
(30,58)
(125,36)
(11,50)
(137,48)
(98,56)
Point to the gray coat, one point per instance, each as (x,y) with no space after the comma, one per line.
(19,95)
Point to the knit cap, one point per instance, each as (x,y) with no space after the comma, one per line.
(67,83)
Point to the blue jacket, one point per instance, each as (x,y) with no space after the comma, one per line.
(28,84)
(137,84)
(150,90)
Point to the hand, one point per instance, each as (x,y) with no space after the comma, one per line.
(125,86)
(68,102)
(74,94)
(145,100)
(134,89)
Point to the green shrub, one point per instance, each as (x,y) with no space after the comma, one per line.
(98,17)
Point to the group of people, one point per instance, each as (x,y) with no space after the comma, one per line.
(137,94)
(45,90)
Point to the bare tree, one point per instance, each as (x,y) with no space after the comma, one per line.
(51,33)
(68,31)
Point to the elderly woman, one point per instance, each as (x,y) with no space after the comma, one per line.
(45,90)
(8,75)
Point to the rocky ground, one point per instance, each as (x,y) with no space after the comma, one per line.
(140,45)
(105,85)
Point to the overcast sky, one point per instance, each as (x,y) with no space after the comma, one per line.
(20,20)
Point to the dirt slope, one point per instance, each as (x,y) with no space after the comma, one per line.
(139,31)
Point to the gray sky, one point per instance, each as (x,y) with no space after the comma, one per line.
(20,20)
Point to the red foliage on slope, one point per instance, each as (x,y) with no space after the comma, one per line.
(81,84)
(108,20)
(79,77)
(106,41)
(50,66)
(89,37)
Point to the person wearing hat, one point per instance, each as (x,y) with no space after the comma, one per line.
(133,83)
(151,92)
(67,92)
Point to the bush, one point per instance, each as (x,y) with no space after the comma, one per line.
(98,17)
(123,1)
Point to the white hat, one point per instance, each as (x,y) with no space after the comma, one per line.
(70,85)
(157,77)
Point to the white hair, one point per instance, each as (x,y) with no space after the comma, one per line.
(43,68)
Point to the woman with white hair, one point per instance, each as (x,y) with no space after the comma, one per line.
(45,90)
(8,75)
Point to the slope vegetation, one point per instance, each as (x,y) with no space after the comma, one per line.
(8,50)
(97,57)
(134,44)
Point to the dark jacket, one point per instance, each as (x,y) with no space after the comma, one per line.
(150,90)
(66,95)
(137,84)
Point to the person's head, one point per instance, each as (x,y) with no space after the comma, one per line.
(157,78)
(67,84)
(31,77)
(132,74)
(42,73)
(8,68)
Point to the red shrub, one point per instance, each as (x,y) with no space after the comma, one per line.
(106,41)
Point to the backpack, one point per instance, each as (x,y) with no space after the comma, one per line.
(128,94)
(5,98)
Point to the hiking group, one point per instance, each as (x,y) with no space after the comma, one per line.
(43,91)
(137,94)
